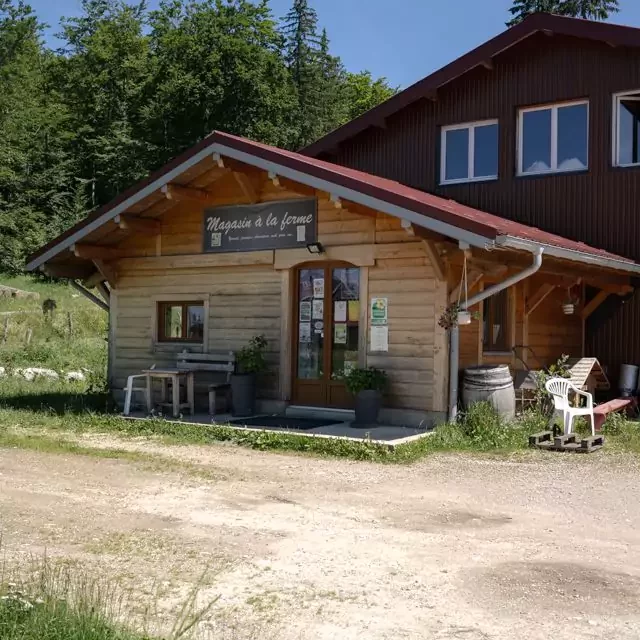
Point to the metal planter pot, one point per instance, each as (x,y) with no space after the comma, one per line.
(368,405)
(243,394)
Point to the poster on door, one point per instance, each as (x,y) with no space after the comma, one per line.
(318,287)
(318,309)
(305,311)
(305,332)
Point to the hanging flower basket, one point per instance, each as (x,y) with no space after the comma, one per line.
(464,317)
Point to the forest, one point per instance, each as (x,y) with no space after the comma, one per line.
(130,88)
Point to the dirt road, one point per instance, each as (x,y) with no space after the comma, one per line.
(453,547)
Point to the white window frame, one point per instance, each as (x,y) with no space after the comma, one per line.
(628,95)
(554,137)
(471,126)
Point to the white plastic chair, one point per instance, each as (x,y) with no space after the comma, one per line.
(559,389)
(129,390)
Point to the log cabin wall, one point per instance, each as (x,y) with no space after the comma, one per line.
(250,293)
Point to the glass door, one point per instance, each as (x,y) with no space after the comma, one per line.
(327,313)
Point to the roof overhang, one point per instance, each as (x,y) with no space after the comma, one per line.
(441,216)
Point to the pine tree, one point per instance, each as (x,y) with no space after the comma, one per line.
(101,74)
(304,59)
(38,192)
(589,9)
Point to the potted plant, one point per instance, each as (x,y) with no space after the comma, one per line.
(367,385)
(455,315)
(250,361)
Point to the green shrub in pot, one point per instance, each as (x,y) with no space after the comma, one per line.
(250,361)
(367,385)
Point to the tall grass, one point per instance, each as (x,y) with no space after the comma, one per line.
(45,600)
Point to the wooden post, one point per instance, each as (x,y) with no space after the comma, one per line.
(29,336)
(5,332)
(70,324)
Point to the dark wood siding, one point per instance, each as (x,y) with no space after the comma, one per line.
(599,206)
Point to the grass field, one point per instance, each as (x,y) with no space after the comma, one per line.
(74,338)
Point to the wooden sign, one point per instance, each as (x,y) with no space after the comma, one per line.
(286,224)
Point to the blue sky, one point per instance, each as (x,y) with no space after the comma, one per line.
(403,40)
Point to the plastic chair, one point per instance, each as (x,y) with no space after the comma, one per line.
(129,390)
(560,388)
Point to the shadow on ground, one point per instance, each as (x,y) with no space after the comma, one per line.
(58,402)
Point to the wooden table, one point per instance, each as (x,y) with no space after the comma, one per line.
(173,375)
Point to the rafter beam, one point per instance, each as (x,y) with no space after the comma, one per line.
(104,291)
(335,200)
(107,271)
(89,295)
(135,224)
(534,301)
(487,64)
(439,267)
(177,192)
(408,227)
(217,158)
(246,186)
(97,252)
(592,305)
(79,271)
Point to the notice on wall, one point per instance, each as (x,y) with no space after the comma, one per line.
(305,332)
(340,311)
(354,310)
(379,311)
(272,225)
(379,338)
(318,287)
(318,309)
(340,333)
(305,311)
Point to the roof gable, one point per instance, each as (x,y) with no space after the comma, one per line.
(613,34)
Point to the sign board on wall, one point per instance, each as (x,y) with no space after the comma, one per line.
(286,224)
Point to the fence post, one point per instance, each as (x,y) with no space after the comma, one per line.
(70,324)
(29,336)
(5,332)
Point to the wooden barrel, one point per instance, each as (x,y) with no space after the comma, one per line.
(491,384)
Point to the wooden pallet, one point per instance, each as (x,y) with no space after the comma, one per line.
(571,442)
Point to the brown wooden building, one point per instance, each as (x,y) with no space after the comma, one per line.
(560,93)
(336,267)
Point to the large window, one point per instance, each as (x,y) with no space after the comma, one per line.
(626,115)
(181,321)
(469,152)
(553,138)
(495,314)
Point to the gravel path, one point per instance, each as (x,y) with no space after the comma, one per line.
(536,547)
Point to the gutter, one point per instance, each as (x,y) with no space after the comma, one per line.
(454,335)
(520,244)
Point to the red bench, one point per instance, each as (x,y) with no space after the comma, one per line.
(601,412)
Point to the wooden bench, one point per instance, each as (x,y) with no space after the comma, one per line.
(222,362)
(601,412)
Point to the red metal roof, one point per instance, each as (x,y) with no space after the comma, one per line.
(484,224)
(613,34)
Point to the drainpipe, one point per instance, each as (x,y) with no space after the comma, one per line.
(454,334)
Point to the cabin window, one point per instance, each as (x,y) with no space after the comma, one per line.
(469,152)
(495,316)
(627,129)
(553,138)
(181,321)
